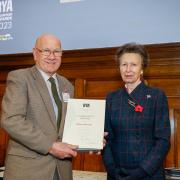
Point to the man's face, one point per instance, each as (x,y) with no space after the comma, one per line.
(47,54)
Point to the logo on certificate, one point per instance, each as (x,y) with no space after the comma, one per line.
(86,105)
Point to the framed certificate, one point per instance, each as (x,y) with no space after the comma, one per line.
(84,123)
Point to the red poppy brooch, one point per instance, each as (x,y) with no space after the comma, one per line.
(137,107)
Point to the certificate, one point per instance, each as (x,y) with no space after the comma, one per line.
(84,123)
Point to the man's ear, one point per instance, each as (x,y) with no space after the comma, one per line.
(34,54)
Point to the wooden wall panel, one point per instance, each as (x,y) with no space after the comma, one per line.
(3,145)
(177,138)
(93,162)
(169,162)
(94,73)
(99,89)
(167,85)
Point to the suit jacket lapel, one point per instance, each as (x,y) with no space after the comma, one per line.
(62,89)
(43,90)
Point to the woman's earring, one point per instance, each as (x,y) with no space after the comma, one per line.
(141,76)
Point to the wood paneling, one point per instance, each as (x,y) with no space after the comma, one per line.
(3,145)
(94,73)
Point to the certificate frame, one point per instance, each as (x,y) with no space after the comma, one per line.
(84,124)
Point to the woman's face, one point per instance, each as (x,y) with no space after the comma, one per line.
(131,68)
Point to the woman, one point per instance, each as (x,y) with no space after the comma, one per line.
(137,121)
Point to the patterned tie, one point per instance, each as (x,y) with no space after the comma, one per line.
(57,100)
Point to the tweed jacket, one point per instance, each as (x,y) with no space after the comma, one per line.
(137,139)
(28,117)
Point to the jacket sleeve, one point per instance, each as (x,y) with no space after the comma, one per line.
(107,153)
(14,119)
(162,133)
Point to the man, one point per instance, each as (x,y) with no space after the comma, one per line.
(30,116)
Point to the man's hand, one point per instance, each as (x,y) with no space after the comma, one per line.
(63,150)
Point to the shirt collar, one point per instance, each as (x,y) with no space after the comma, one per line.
(45,75)
(137,90)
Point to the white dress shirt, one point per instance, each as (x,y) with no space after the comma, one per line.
(48,84)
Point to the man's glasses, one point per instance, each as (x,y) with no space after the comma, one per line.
(47,52)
